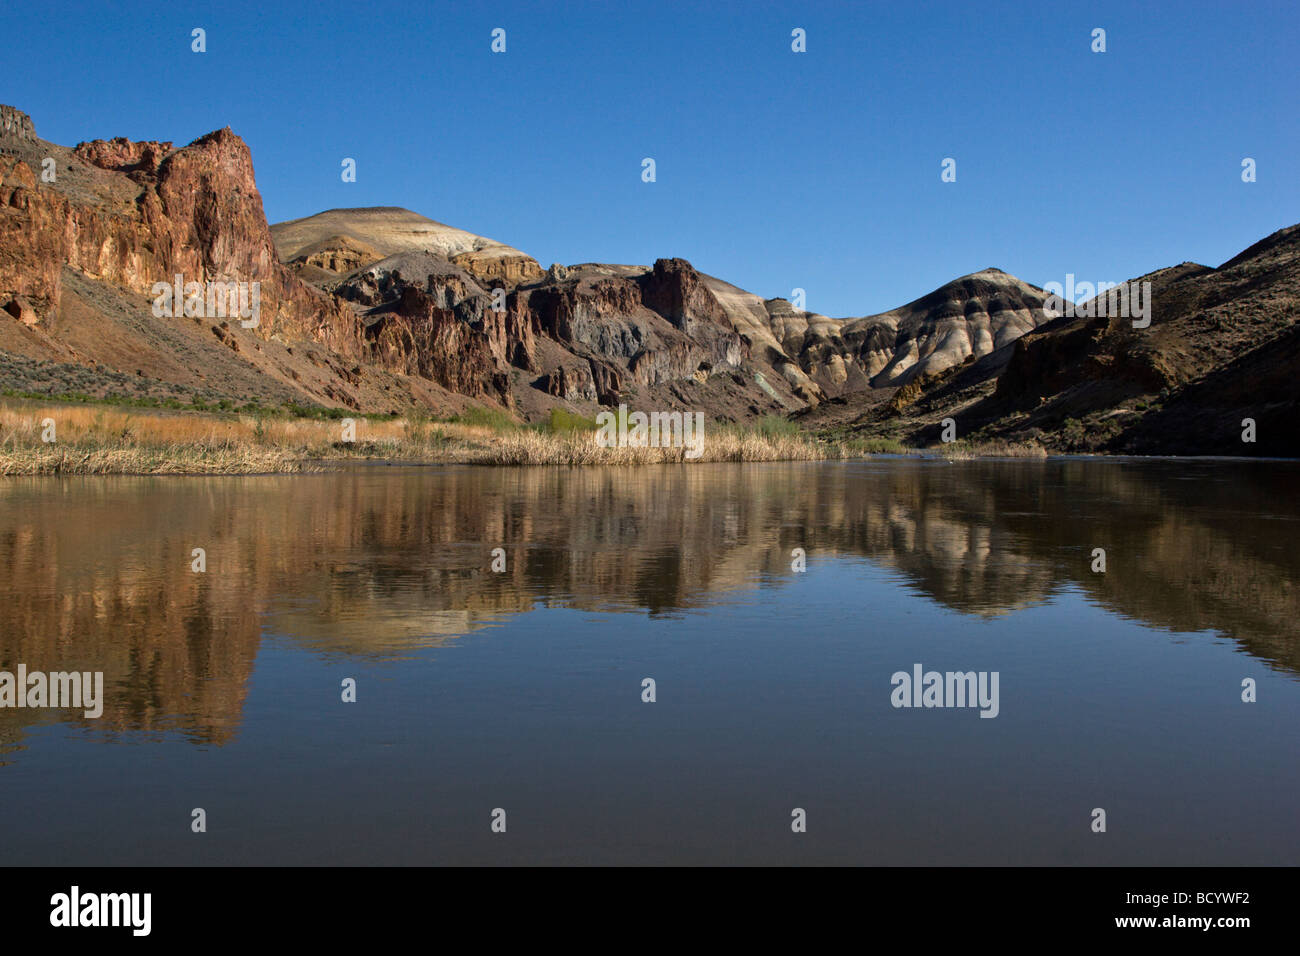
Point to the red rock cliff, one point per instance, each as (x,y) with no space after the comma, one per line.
(144,214)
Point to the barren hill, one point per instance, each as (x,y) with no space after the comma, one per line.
(387,230)
(1221,348)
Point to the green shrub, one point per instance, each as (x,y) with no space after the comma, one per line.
(563,420)
(1072,430)
(483,417)
(774,426)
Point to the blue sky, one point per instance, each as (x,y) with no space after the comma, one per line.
(775,170)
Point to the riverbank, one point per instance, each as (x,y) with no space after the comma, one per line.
(62,439)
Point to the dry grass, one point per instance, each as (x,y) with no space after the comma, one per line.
(99,440)
(95,441)
(91,440)
(960,451)
(581,448)
(173,460)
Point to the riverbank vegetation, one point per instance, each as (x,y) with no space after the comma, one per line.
(52,438)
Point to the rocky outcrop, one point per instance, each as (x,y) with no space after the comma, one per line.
(601,313)
(676,291)
(499,266)
(21,310)
(607,380)
(594,382)
(390,230)
(419,337)
(670,323)
(383,281)
(124,156)
(509,331)
(196,213)
(33,242)
(686,360)
(15,125)
(571,383)
(337,255)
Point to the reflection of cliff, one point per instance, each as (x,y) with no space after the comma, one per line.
(1190,546)
(95,573)
(98,579)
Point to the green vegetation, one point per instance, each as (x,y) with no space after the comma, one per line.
(319,412)
(197,403)
(81,398)
(1072,431)
(772,426)
(483,417)
(562,420)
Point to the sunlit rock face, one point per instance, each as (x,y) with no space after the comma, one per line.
(417,311)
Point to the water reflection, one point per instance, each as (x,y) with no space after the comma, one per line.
(95,573)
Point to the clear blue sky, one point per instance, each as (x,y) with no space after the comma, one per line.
(819,170)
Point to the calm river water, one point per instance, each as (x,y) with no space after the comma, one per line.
(522,689)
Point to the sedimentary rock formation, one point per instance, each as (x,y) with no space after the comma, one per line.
(381,309)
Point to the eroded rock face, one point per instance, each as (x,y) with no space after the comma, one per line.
(196,212)
(21,310)
(600,315)
(570,383)
(33,239)
(675,290)
(686,361)
(385,288)
(389,287)
(124,156)
(391,231)
(971,316)
(670,323)
(494,266)
(337,255)
(383,281)
(16,125)
(595,314)
(419,337)
(607,381)
(604,316)
(594,382)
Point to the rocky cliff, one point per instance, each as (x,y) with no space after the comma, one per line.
(381,309)
(132,214)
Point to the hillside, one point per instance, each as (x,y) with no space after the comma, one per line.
(339,240)
(384,310)
(1222,346)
